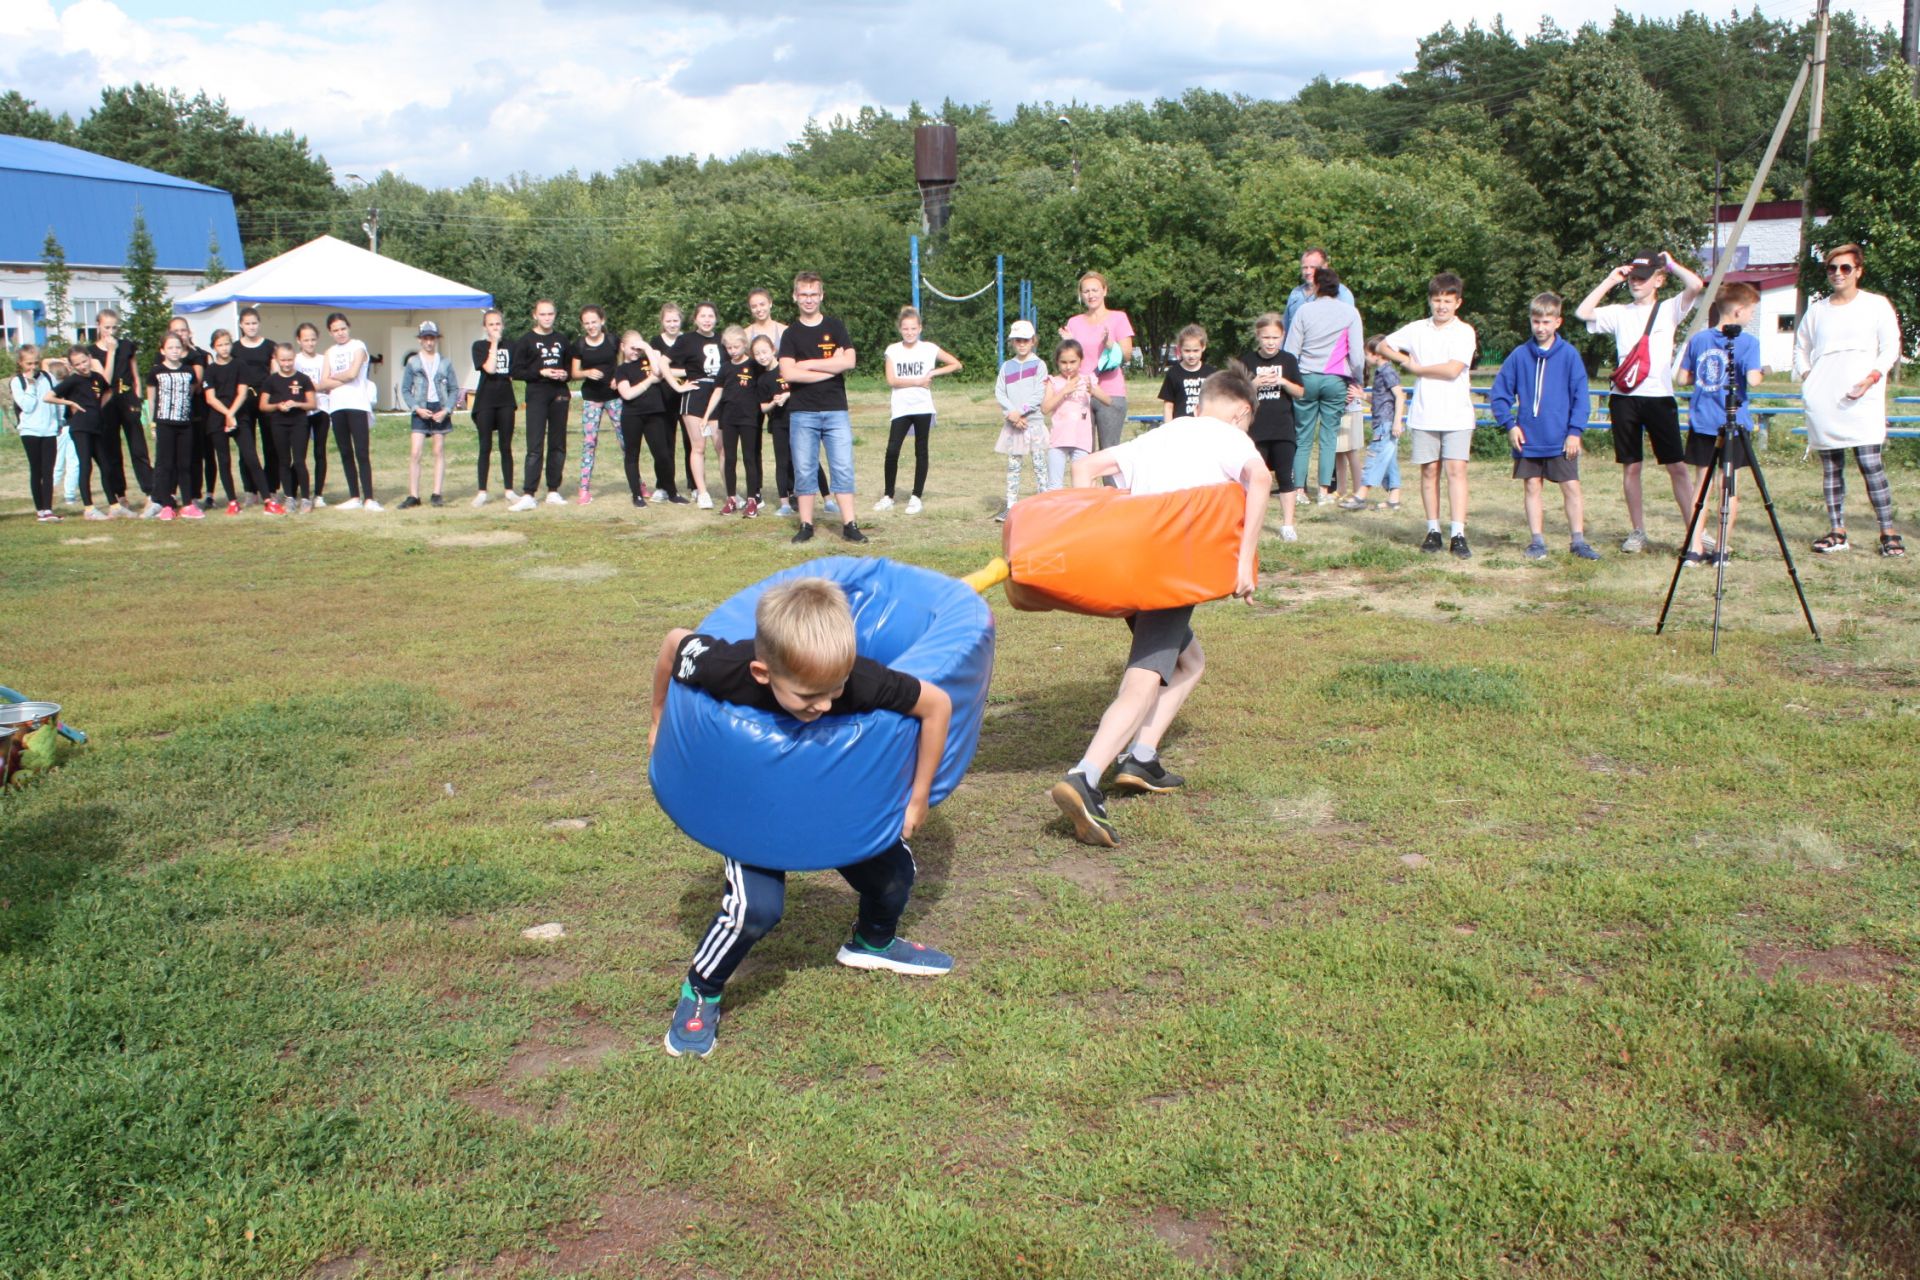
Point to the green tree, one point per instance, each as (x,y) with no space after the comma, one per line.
(20,118)
(53,259)
(144,296)
(216,270)
(1866,174)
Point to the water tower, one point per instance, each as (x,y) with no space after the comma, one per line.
(936,167)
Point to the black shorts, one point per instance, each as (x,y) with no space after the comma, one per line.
(1658,415)
(1700,449)
(1278,455)
(1560,469)
(1160,636)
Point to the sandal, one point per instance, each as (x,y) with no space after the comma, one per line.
(1831,542)
(1890,545)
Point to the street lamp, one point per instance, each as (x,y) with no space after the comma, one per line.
(1073,146)
(372,223)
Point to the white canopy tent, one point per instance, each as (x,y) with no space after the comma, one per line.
(385,302)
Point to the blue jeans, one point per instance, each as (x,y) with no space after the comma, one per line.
(1383,461)
(830,430)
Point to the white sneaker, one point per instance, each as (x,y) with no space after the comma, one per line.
(94,513)
(371,505)
(480,498)
(555,500)
(319,503)
(527,502)
(885,504)
(119,511)
(704,501)
(512,496)
(351,504)
(152,510)
(1324,500)
(913,506)
(1288,534)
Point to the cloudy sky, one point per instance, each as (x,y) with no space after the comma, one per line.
(489,88)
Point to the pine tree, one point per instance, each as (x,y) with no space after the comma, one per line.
(59,286)
(216,270)
(145,293)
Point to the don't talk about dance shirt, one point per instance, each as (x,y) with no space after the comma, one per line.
(723,668)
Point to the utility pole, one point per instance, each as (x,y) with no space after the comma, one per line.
(372,227)
(1815,111)
(1910,36)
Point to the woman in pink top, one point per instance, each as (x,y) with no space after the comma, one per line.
(1095,330)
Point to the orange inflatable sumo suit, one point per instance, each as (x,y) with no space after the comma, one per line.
(1105,552)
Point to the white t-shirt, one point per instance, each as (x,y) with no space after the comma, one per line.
(1439,404)
(916,361)
(357,394)
(312,366)
(1626,321)
(1186,453)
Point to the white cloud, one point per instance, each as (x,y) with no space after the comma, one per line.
(499,87)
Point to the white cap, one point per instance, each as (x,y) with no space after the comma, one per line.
(1020,329)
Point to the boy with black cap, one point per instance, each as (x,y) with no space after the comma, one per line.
(1643,334)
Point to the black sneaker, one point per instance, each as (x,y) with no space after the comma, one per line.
(1136,775)
(1432,542)
(678,499)
(851,532)
(409,503)
(1086,809)
(435,501)
(639,500)
(805,534)
(1459,547)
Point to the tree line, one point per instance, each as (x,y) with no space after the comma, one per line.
(1521,162)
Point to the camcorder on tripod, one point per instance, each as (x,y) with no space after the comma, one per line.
(1732,449)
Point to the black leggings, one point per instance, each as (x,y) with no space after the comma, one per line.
(290,450)
(317,425)
(90,447)
(352,432)
(546,428)
(633,441)
(123,412)
(41,451)
(658,430)
(731,438)
(217,456)
(495,422)
(173,462)
(253,476)
(921,424)
(777,427)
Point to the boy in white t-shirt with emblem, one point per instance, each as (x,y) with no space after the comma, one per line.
(1642,402)
(1165,662)
(1438,352)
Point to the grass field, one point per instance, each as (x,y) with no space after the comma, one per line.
(1494,935)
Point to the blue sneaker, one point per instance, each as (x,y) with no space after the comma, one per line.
(696,1020)
(1583,550)
(1536,550)
(900,956)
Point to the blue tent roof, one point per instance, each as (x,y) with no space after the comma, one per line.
(88,200)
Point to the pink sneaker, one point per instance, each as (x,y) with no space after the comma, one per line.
(730,507)
(166,513)
(585,497)
(233,508)
(753,507)
(192,512)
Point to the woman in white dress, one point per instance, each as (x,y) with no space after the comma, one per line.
(1843,352)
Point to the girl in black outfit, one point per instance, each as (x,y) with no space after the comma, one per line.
(254,355)
(171,385)
(225,393)
(494,405)
(116,359)
(736,403)
(540,359)
(699,355)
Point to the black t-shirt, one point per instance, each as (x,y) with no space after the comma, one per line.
(223,380)
(198,360)
(649,402)
(537,351)
(255,362)
(767,385)
(721,668)
(699,357)
(86,390)
(739,394)
(602,357)
(172,392)
(816,342)
(1273,414)
(281,387)
(1182,389)
(496,381)
(120,373)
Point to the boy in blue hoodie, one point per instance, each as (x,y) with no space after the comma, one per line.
(1540,400)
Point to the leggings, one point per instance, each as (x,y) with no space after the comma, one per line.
(783,459)
(249,425)
(1037,446)
(1060,466)
(123,412)
(1318,414)
(1279,455)
(317,425)
(633,441)
(495,422)
(352,432)
(756,899)
(218,455)
(590,414)
(290,449)
(658,430)
(732,436)
(205,474)
(253,476)
(173,462)
(546,432)
(921,425)
(1833,476)
(41,451)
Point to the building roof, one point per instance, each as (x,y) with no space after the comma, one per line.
(1765,278)
(88,201)
(1765,211)
(332,273)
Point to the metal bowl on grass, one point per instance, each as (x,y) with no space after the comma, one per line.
(17,721)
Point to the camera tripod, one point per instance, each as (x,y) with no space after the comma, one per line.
(1726,465)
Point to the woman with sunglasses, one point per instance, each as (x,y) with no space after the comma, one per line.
(1843,352)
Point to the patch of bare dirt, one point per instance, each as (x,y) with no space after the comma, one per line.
(543,973)
(1597,763)
(341,1268)
(593,571)
(1193,1240)
(1846,966)
(491,538)
(626,1227)
(1097,878)
(562,1046)
(494,1102)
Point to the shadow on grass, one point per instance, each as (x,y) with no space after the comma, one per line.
(42,857)
(1049,724)
(819,915)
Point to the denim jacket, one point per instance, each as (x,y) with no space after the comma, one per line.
(416,394)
